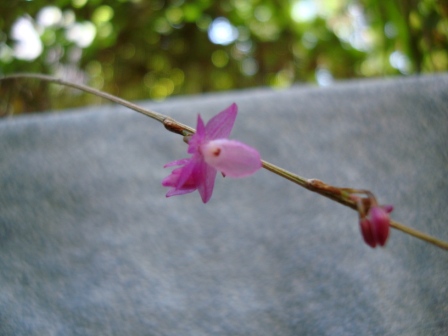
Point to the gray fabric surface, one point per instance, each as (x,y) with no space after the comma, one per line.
(89,245)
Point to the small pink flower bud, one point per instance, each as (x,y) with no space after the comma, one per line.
(375,226)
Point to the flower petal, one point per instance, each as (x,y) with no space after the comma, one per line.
(206,180)
(177,163)
(197,138)
(187,175)
(380,224)
(231,157)
(388,208)
(172,181)
(220,126)
(366,231)
(176,192)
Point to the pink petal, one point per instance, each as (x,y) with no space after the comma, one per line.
(380,223)
(172,181)
(205,175)
(176,192)
(177,163)
(200,127)
(231,157)
(367,234)
(187,175)
(198,138)
(388,208)
(220,126)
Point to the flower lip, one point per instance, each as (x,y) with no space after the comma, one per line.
(230,157)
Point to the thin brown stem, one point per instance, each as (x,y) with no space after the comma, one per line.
(334,193)
(418,234)
(85,88)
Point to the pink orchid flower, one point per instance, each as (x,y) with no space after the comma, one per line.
(375,226)
(211,151)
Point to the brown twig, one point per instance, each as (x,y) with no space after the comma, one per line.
(334,193)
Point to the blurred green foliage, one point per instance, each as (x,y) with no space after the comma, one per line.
(154,49)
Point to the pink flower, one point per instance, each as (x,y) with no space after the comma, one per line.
(211,152)
(375,226)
